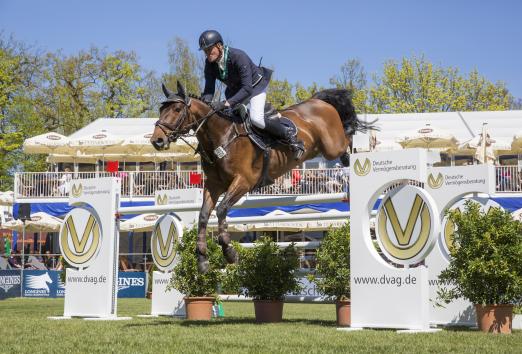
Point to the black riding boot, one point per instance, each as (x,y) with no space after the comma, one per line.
(279,131)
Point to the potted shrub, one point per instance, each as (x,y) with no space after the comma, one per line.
(266,273)
(199,289)
(485,265)
(332,275)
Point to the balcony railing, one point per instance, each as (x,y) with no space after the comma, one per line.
(34,185)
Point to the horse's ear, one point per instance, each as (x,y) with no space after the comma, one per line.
(181,90)
(165,90)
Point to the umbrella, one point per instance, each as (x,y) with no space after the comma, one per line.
(484,153)
(48,143)
(97,143)
(516,144)
(140,144)
(428,137)
(40,222)
(143,222)
(517,214)
(494,147)
(7,198)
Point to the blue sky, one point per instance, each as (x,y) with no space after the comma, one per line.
(304,41)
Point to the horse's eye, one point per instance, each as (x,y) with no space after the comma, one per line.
(178,109)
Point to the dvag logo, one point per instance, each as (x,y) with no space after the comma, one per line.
(435,183)
(405,225)
(166,233)
(362,169)
(80,238)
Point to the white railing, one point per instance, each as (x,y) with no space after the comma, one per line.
(31,185)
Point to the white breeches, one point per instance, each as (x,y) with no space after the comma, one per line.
(257,110)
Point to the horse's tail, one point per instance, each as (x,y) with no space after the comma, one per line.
(341,99)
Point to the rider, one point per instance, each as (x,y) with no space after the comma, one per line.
(245,82)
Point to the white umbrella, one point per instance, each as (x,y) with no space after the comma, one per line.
(484,153)
(97,143)
(48,143)
(494,147)
(428,137)
(517,214)
(143,222)
(7,198)
(40,222)
(516,144)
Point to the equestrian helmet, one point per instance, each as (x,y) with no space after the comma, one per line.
(209,38)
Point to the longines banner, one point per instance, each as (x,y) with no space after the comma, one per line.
(10,283)
(389,293)
(89,243)
(43,283)
(165,237)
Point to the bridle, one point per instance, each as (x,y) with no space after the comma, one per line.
(179,131)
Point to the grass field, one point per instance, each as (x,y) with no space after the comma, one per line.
(307,328)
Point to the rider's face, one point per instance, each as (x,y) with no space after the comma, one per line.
(213,53)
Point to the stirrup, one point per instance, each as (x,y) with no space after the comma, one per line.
(298,149)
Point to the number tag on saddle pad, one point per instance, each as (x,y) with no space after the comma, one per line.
(220,152)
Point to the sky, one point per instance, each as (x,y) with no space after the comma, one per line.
(304,41)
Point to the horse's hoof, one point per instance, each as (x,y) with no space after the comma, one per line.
(230,255)
(345,159)
(203,267)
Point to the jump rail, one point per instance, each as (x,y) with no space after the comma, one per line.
(243,203)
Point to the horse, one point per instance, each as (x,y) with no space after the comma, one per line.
(233,165)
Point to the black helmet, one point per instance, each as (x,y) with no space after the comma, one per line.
(209,38)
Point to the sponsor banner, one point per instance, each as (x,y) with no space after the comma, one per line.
(10,282)
(132,284)
(42,283)
(167,233)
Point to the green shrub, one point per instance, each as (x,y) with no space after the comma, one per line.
(264,272)
(185,276)
(332,275)
(486,259)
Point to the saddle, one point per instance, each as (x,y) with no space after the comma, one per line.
(259,137)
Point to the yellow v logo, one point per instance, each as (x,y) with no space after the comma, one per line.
(403,248)
(161,200)
(435,182)
(80,253)
(403,236)
(362,169)
(76,191)
(166,254)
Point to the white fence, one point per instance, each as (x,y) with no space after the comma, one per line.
(34,185)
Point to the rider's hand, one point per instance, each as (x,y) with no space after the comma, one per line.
(218,106)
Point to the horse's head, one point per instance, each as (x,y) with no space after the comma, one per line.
(175,118)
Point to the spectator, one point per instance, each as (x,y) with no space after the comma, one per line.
(65,182)
(14,260)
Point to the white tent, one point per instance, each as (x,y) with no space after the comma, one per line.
(143,222)
(7,198)
(48,143)
(428,137)
(40,222)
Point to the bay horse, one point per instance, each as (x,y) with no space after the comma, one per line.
(325,123)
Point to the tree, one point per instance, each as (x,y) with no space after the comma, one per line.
(353,78)
(303,93)
(416,85)
(184,67)
(279,94)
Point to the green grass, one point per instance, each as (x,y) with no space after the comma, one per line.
(307,328)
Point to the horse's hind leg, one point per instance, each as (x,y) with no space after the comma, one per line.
(237,189)
(209,201)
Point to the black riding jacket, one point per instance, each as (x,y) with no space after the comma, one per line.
(244,79)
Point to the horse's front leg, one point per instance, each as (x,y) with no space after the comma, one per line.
(209,201)
(238,188)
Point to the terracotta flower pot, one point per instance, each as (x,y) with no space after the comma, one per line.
(268,311)
(494,318)
(344,310)
(199,308)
